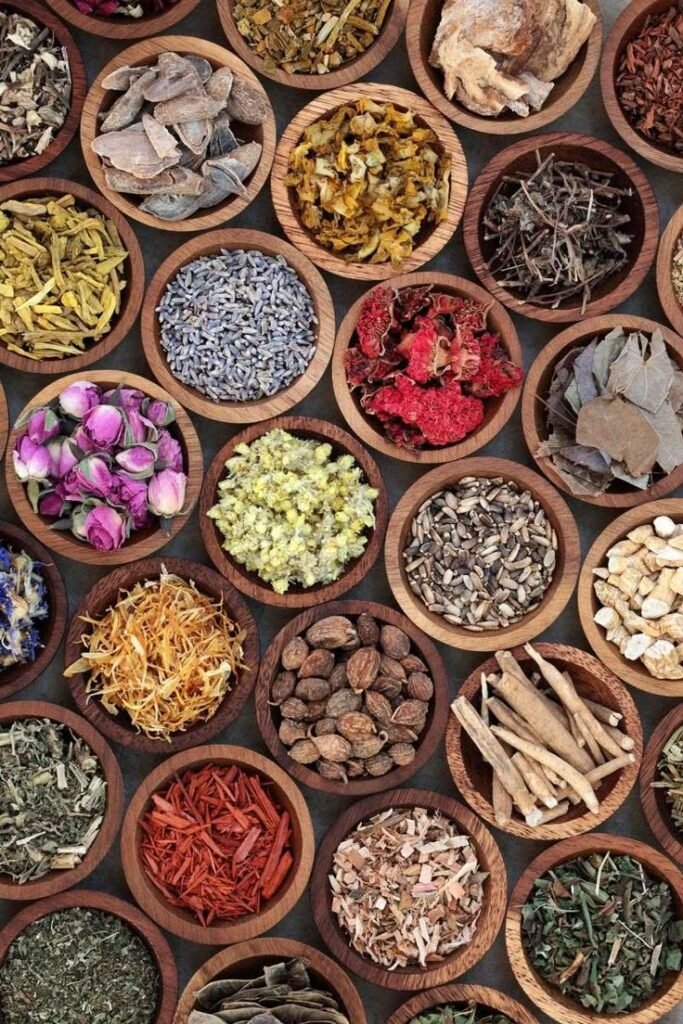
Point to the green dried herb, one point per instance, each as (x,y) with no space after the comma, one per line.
(670,776)
(457,1013)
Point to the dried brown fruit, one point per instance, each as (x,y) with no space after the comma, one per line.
(378,706)
(294,653)
(354,726)
(291,731)
(282,688)
(392,667)
(368,630)
(324,726)
(341,702)
(332,747)
(388,687)
(412,663)
(304,752)
(332,771)
(318,663)
(394,642)
(399,733)
(401,753)
(315,710)
(338,677)
(411,713)
(419,686)
(378,765)
(331,632)
(362,668)
(354,769)
(294,708)
(369,746)
(312,689)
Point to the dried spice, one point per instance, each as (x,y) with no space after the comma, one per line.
(677,270)
(165,655)
(24,607)
(367,180)
(217,843)
(670,777)
(123,8)
(459,1013)
(557,232)
(424,364)
(603,931)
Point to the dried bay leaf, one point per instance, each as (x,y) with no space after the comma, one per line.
(583,374)
(606,351)
(668,430)
(621,430)
(644,381)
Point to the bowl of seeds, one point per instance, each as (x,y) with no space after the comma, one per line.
(238,325)
(178,133)
(123,19)
(461,1004)
(670,271)
(605,227)
(482,553)
(661,783)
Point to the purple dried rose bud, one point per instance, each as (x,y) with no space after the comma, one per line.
(159,412)
(104,426)
(105,528)
(79,398)
(132,495)
(51,504)
(138,461)
(135,428)
(166,493)
(62,458)
(43,424)
(93,477)
(169,452)
(82,440)
(126,398)
(31,461)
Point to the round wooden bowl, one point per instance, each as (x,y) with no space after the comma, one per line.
(103,595)
(668,244)
(429,738)
(498,410)
(547,997)
(655,806)
(472,775)
(56,881)
(99,100)
(642,208)
(37,11)
(537,386)
(4,422)
(405,979)
(261,408)
(249,582)
(142,542)
(240,960)
(557,594)
(430,239)
(130,915)
(489,1000)
(134,267)
(632,672)
(181,922)
(123,28)
(423,21)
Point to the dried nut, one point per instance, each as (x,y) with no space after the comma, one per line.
(294,708)
(413,664)
(293,653)
(291,731)
(391,667)
(282,688)
(402,753)
(332,747)
(318,663)
(394,642)
(304,752)
(368,630)
(338,677)
(331,632)
(332,771)
(324,726)
(388,687)
(362,668)
(411,713)
(312,689)
(378,765)
(378,706)
(341,702)
(369,746)
(419,686)
(399,733)
(351,645)
(355,726)
(355,768)
(315,710)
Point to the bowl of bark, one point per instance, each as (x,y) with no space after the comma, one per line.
(247,958)
(547,997)
(429,241)
(641,208)
(117,28)
(180,921)
(103,595)
(270,719)
(146,53)
(497,410)
(250,583)
(653,798)
(133,270)
(486,1000)
(141,542)
(414,977)
(558,591)
(632,672)
(254,410)
(535,406)
(145,929)
(618,714)
(423,21)
(666,254)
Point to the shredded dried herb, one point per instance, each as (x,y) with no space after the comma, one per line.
(458,1013)
(670,777)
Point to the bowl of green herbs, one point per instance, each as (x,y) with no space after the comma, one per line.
(461,1004)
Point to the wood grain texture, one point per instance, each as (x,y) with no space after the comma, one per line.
(423,20)
(258,409)
(56,881)
(247,957)
(103,595)
(668,244)
(123,28)
(141,925)
(632,672)
(654,802)
(556,596)
(249,582)
(181,922)
(350,72)
(489,1000)
(4,422)
(548,998)
(497,410)
(133,270)
(537,387)
(142,542)
(429,738)
(146,52)
(641,207)
(429,241)
(493,911)
(593,681)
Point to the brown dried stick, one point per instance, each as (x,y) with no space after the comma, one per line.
(603,714)
(501,801)
(589,739)
(534,780)
(508,663)
(511,719)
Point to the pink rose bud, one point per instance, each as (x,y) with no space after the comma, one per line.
(127,398)
(166,493)
(160,413)
(43,425)
(62,457)
(105,528)
(104,425)
(133,496)
(138,461)
(31,461)
(51,505)
(169,452)
(135,428)
(94,477)
(79,398)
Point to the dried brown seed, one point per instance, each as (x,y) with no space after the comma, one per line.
(378,765)
(318,663)
(324,726)
(419,686)
(411,713)
(332,747)
(362,668)
(338,677)
(354,725)
(312,689)
(402,753)
(368,630)
(294,708)
(391,667)
(315,710)
(330,770)
(283,687)
(399,733)
(293,653)
(354,769)
(388,687)
(413,664)
(394,642)
(369,746)
(378,706)
(291,731)
(331,632)
(304,752)
(352,644)
(341,702)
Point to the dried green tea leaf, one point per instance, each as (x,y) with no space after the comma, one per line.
(620,430)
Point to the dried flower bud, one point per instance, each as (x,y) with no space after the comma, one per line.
(294,653)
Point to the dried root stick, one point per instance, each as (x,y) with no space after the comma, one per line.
(603,714)
(589,739)
(501,801)
(603,770)
(534,780)
(550,814)
(511,719)
(620,738)
(507,663)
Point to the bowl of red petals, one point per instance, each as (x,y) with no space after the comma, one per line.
(427,367)
(123,19)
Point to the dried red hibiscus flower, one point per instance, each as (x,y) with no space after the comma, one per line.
(423,363)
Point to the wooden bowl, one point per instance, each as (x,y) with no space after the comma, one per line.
(350,72)
(545,996)
(4,422)
(56,881)
(22,169)
(668,243)
(655,806)
(142,542)
(261,408)
(99,99)
(632,672)
(123,28)
(490,1000)
(537,386)
(238,961)
(131,299)
(498,410)
(405,979)
(249,582)
(423,20)
(429,738)
(642,208)
(101,597)
(130,915)
(181,922)
(472,775)
(430,239)
(557,594)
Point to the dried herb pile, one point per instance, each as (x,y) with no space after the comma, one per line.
(677,270)
(24,607)
(670,777)
(123,8)
(459,1013)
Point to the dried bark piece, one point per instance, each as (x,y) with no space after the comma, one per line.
(161,139)
(122,78)
(247,103)
(190,106)
(219,86)
(223,139)
(170,207)
(201,66)
(180,180)
(126,108)
(196,135)
(133,152)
